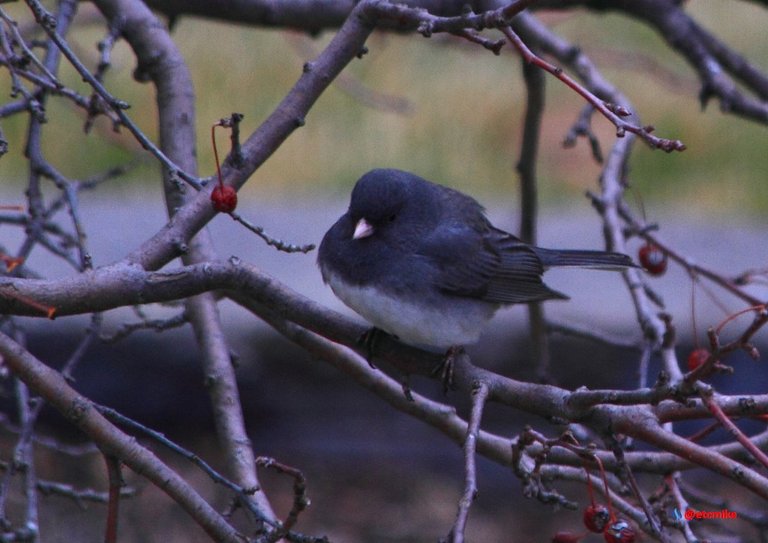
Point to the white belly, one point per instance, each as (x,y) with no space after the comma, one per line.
(422,326)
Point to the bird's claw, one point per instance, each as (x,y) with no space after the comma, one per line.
(446,367)
(368,341)
(405,382)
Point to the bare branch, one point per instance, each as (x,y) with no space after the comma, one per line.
(46,22)
(613,112)
(640,483)
(161,61)
(79,411)
(526,167)
(479,397)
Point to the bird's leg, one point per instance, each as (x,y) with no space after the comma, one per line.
(445,368)
(368,341)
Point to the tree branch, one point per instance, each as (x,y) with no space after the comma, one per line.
(50,385)
(479,397)
(159,58)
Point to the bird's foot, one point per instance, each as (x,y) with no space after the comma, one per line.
(368,340)
(446,367)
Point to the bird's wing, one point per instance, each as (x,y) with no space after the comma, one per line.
(489,265)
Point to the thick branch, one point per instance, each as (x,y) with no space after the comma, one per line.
(526,167)
(160,60)
(120,285)
(298,14)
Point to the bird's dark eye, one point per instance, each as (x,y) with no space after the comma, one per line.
(392,217)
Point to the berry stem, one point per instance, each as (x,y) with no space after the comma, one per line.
(729,318)
(589,487)
(605,488)
(216,153)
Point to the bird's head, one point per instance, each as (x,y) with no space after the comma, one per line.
(390,205)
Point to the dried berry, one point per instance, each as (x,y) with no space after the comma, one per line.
(653,259)
(596,518)
(224,198)
(697,358)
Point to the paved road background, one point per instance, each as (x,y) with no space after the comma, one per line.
(117,224)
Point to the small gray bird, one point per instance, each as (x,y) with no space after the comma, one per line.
(422,262)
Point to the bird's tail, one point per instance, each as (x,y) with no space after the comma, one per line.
(601,260)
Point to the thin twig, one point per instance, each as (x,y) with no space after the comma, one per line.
(583,128)
(672,481)
(157,325)
(732,286)
(47,23)
(300,499)
(278,244)
(115,486)
(653,520)
(215,476)
(479,396)
(709,399)
(613,112)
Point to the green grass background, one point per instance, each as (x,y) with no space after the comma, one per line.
(465,122)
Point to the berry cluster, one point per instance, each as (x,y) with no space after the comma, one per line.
(600,519)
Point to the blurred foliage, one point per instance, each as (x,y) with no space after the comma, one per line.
(463,127)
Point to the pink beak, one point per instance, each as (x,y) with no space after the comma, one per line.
(363,229)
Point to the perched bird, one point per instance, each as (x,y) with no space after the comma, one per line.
(422,262)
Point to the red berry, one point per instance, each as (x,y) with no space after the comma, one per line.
(567,537)
(596,518)
(653,259)
(619,532)
(697,358)
(224,198)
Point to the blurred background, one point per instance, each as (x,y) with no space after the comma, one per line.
(450,112)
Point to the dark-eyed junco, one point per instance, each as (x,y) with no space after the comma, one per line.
(423,263)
